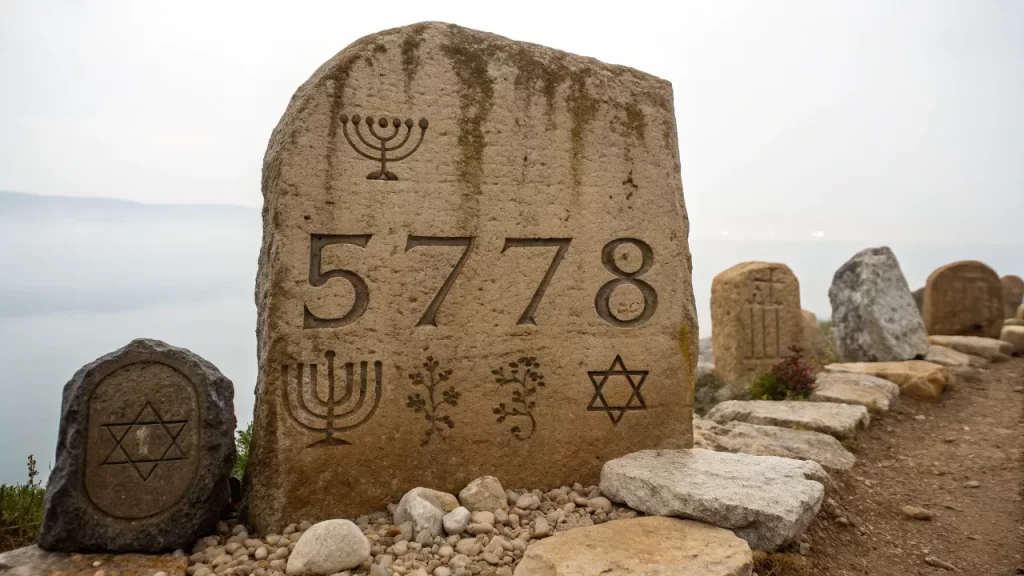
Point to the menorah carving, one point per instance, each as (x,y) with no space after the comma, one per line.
(334,413)
(381,151)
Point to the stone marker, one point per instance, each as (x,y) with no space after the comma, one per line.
(1020,312)
(916,378)
(964,299)
(755,320)
(1013,294)
(840,420)
(990,349)
(512,271)
(767,501)
(875,394)
(772,441)
(818,347)
(874,317)
(144,453)
(1014,335)
(639,547)
(34,561)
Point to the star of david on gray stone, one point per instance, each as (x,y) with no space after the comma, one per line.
(634,379)
(155,440)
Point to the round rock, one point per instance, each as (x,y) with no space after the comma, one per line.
(328,548)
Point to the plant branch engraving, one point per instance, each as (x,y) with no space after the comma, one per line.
(431,407)
(524,396)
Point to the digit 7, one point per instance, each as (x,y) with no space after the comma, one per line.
(429,317)
(563,246)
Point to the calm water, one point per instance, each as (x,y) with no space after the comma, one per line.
(74,288)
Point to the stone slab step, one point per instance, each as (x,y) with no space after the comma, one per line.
(875,394)
(839,420)
(653,546)
(766,500)
(758,440)
(916,378)
(991,349)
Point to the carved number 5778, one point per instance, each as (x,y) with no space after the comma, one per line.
(318,277)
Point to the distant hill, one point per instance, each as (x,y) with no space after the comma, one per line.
(16,205)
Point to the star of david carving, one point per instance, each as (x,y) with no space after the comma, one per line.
(154,440)
(617,371)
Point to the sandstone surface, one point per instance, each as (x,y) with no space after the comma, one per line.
(755,319)
(759,440)
(875,394)
(840,420)
(818,346)
(144,452)
(916,378)
(964,299)
(512,271)
(766,500)
(965,367)
(874,317)
(650,546)
(1013,294)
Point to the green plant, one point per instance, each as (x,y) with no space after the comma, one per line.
(792,378)
(21,510)
(243,439)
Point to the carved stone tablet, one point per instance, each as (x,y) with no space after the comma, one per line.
(755,320)
(475,262)
(964,299)
(1013,294)
(144,453)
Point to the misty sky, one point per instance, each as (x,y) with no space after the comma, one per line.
(880,121)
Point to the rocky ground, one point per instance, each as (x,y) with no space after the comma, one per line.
(960,461)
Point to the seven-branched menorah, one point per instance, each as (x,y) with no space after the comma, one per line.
(332,414)
(382,149)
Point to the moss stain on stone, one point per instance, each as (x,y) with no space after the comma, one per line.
(410,49)
(582,107)
(531,71)
(469,58)
(338,78)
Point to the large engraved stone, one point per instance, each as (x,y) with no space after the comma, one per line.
(512,272)
(873,312)
(755,320)
(964,299)
(144,453)
(1013,294)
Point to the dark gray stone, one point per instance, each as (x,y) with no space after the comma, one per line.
(144,453)
(919,298)
(874,318)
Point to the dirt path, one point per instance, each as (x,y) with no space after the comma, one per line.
(976,435)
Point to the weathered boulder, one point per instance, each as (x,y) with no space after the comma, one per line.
(964,299)
(759,440)
(766,500)
(452,265)
(1020,312)
(991,349)
(839,420)
(1014,335)
(874,317)
(916,378)
(875,394)
(755,320)
(484,493)
(651,546)
(144,453)
(1013,294)
(423,509)
(327,548)
(817,342)
(34,561)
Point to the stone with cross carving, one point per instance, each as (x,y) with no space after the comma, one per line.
(145,449)
(755,320)
(475,250)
